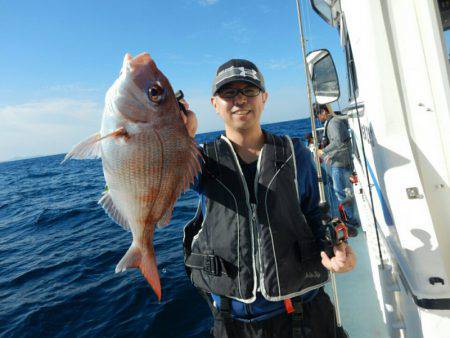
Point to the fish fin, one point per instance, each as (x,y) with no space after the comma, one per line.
(194,166)
(107,203)
(118,132)
(145,260)
(89,148)
(149,269)
(165,219)
(131,259)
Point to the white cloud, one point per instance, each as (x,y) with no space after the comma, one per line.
(265,9)
(207,2)
(240,33)
(51,111)
(47,127)
(54,126)
(71,88)
(281,64)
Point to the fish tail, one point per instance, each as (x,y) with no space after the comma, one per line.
(150,271)
(145,260)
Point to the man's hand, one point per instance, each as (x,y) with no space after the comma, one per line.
(344,259)
(324,158)
(190,120)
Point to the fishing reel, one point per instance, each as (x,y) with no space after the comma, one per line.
(179,95)
(336,232)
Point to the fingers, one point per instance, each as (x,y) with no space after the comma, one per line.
(183,117)
(340,251)
(185,104)
(191,123)
(326,262)
(343,261)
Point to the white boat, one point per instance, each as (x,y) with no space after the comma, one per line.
(399,115)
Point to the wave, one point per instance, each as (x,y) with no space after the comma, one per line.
(48,217)
(43,174)
(59,250)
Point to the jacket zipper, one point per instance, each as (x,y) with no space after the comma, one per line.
(252,213)
(260,279)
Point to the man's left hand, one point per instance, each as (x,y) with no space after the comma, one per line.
(344,259)
(189,119)
(321,155)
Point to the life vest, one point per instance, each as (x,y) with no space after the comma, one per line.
(237,248)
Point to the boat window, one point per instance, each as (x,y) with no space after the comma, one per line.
(323,8)
(351,72)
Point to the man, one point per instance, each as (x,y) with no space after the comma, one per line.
(337,154)
(253,248)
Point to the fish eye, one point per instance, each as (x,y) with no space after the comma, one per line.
(155,93)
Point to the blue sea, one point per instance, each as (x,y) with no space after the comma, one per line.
(59,249)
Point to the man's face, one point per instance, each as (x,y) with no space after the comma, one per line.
(322,116)
(240,112)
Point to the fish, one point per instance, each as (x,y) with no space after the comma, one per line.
(148,158)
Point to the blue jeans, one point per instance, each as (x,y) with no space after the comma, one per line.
(343,191)
(329,192)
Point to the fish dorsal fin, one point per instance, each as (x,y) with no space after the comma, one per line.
(107,203)
(89,148)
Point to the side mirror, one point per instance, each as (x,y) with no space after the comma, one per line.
(323,76)
(328,10)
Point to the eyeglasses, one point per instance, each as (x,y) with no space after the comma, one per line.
(229,93)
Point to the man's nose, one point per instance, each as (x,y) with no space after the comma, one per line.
(240,98)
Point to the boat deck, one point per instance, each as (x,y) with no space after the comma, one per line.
(358,302)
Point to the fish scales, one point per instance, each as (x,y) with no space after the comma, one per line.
(147,155)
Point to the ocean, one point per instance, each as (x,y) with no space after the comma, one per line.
(59,249)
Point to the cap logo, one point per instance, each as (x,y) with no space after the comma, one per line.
(236,71)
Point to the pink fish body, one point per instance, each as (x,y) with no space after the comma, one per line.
(147,155)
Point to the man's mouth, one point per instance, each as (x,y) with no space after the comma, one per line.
(241,112)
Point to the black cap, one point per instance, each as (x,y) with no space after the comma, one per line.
(238,70)
(317,108)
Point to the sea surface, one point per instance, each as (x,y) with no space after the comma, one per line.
(58,251)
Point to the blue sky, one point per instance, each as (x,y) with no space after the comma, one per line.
(59,57)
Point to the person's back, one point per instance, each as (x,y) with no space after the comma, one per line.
(339,144)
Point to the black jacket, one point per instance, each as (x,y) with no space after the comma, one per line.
(237,248)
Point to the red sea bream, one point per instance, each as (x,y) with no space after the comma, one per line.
(147,155)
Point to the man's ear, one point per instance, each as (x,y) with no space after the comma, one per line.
(214,103)
(265,96)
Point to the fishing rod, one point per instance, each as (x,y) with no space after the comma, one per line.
(336,234)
